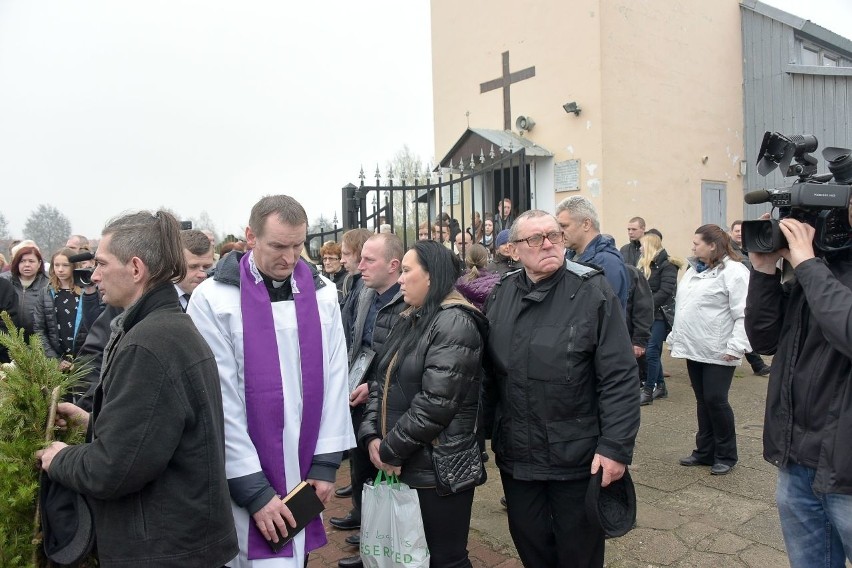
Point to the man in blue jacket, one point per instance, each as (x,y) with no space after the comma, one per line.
(579,222)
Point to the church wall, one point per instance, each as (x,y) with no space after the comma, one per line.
(659,84)
(672,114)
(562,41)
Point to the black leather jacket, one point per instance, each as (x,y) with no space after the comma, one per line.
(434,391)
(561,378)
(809,399)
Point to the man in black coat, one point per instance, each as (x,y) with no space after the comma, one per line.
(640,313)
(560,396)
(808,420)
(153,465)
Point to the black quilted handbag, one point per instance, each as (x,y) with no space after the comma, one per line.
(458,464)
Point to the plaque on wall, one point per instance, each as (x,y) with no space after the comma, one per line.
(566,175)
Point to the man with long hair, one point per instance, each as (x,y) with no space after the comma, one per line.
(153,465)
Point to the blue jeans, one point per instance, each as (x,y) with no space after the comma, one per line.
(653,351)
(817,527)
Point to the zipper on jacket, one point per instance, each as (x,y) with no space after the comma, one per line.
(385,396)
(572,333)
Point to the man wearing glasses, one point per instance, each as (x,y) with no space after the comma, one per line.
(560,394)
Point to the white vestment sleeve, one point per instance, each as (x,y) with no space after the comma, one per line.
(336,433)
(215,309)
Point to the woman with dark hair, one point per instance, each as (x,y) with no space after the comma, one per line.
(476,283)
(58,315)
(428,393)
(28,278)
(709,333)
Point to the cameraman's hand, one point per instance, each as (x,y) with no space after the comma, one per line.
(765,261)
(800,238)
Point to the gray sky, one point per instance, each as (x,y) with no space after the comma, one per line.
(107,106)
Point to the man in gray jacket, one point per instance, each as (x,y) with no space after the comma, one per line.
(377,309)
(153,465)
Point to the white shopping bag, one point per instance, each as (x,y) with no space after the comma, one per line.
(392,533)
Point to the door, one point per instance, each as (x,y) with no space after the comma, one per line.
(714,203)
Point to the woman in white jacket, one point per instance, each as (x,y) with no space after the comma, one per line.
(709,333)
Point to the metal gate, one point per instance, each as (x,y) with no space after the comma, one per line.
(411,199)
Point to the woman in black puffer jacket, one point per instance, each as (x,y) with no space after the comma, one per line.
(427,393)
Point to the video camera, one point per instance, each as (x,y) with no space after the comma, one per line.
(82,276)
(820,200)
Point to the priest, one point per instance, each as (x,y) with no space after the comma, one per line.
(274,326)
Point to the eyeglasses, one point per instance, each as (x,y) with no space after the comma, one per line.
(331,258)
(536,241)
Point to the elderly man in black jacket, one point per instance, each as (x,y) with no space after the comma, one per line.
(808,421)
(560,394)
(153,466)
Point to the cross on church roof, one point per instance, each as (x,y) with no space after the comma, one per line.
(507,79)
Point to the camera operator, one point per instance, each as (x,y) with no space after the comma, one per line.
(808,421)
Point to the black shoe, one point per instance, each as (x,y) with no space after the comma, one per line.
(350,562)
(660,391)
(763,372)
(720,469)
(353,539)
(503,501)
(485,457)
(646,397)
(690,461)
(347,523)
(343,491)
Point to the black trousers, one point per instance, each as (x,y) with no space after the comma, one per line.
(716,440)
(446,522)
(548,523)
(755,361)
(361,469)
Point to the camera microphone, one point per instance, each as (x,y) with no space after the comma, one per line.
(81,257)
(757,196)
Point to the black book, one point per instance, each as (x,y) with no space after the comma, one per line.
(305,506)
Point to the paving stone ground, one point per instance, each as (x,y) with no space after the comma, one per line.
(686,517)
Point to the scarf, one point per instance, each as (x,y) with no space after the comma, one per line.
(265,393)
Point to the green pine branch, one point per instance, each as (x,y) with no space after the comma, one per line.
(25,393)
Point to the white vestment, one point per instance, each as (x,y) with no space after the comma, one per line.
(215,309)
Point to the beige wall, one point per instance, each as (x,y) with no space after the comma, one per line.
(659,82)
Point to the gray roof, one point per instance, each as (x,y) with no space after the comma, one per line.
(804,27)
(481,140)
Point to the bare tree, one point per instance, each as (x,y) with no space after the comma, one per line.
(406,168)
(4,228)
(48,227)
(203,222)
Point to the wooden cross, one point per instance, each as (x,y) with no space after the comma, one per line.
(507,79)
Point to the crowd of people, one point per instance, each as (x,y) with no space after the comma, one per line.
(531,329)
